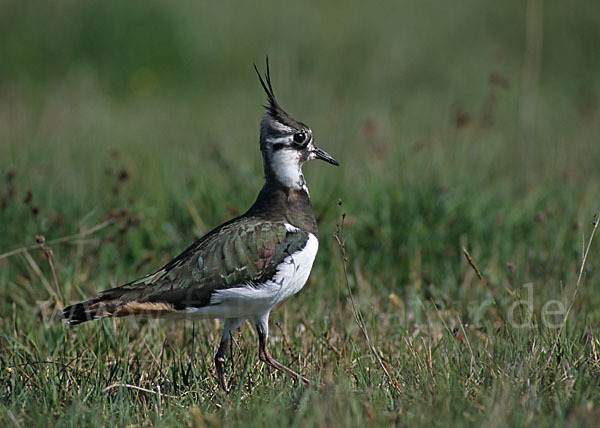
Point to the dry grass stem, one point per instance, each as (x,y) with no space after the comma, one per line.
(69,238)
(41,240)
(497,312)
(577,287)
(138,388)
(339,237)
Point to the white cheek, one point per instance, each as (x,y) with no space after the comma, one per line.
(286,166)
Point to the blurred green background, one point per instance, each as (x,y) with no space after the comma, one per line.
(456,124)
(440,115)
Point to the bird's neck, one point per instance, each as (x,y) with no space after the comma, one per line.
(282,203)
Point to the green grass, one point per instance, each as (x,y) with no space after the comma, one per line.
(455,125)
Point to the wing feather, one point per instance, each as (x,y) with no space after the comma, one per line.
(241,252)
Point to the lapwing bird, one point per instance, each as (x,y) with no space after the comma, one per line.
(242,269)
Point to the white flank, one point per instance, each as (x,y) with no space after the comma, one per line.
(253,301)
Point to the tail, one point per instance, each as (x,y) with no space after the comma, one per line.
(117,302)
(78,313)
(99,307)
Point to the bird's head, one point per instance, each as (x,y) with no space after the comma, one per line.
(285,143)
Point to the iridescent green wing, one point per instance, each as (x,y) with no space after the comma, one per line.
(240,252)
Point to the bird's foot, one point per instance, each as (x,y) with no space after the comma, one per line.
(266,357)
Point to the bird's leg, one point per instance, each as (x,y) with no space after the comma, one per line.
(266,357)
(229,326)
(220,362)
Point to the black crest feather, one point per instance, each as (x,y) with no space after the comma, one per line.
(273,108)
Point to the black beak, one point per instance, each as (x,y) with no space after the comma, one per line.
(323,155)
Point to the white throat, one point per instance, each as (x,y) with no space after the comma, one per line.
(287,168)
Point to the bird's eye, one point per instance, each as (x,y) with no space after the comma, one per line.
(299,137)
